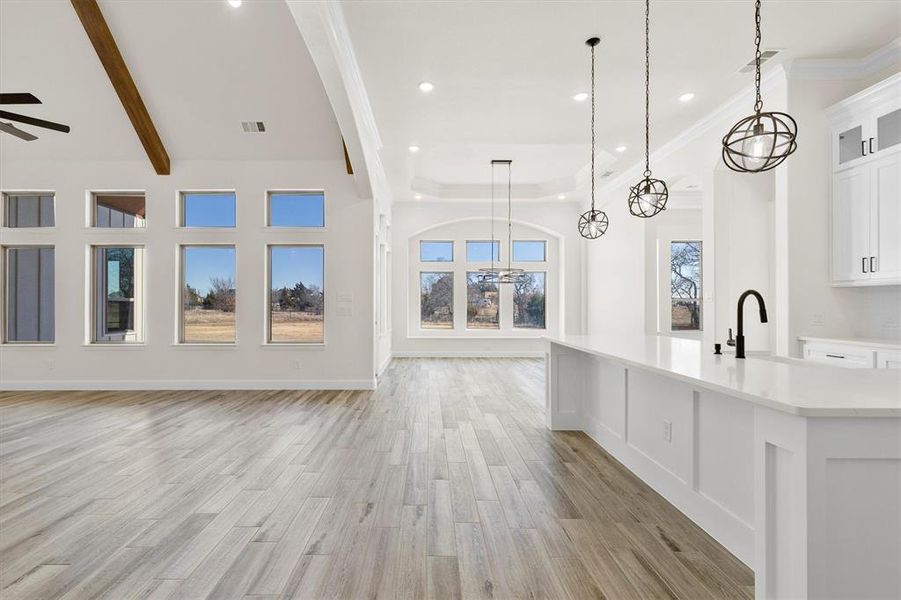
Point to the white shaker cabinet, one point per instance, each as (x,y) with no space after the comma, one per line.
(866,187)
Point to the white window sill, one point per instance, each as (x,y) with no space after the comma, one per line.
(206,346)
(115,345)
(28,345)
(293,345)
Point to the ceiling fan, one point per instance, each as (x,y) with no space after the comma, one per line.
(24,98)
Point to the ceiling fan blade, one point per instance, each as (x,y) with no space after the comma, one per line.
(32,121)
(20,98)
(13,130)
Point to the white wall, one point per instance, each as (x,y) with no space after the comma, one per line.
(471,220)
(345,360)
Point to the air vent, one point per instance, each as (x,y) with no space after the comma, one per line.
(253,126)
(606,174)
(764,56)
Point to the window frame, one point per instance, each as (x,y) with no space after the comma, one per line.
(4,290)
(180,213)
(92,209)
(267,217)
(179,291)
(453,256)
(268,303)
(4,208)
(98,309)
(453,299)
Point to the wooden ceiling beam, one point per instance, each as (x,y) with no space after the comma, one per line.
(98,31)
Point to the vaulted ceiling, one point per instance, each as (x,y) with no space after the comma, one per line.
(202,68)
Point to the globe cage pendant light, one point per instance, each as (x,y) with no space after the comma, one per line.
(765,139)
(648,197)
(592,223)
(502,274)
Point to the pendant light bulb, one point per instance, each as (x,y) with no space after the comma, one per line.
(592,223)
(763,140)
(648,197)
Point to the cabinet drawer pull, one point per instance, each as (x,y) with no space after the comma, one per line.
(863,265)
(873,264)
(835,356)
(871,145)
(863,148)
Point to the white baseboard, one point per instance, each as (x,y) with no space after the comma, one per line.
(190,384)
(469,354)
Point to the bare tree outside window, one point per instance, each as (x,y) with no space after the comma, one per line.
(685,282)
(436,306)
(529,301)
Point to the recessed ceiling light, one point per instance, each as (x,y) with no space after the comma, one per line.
(686,97)
(234,3)
(418,196)
(561,196)
(413,149)
(581,97)
(426,87)
(620,149)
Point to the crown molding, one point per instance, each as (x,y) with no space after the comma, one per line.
(848,68)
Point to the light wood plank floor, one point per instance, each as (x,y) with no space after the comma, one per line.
(443,483)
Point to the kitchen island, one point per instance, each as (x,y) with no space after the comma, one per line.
(795,467)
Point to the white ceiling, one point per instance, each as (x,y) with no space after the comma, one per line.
(505,73)
(202,67)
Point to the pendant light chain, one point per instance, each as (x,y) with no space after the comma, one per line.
(758,104)
(647,88)
(592,128)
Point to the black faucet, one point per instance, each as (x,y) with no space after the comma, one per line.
(740,336)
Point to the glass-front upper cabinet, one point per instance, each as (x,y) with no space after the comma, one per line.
(866,125)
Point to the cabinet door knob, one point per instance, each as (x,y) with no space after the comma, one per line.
(871,145)
(863,264)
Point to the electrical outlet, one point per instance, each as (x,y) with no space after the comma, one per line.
(668,431)
(817,320)
(48,364)
(296,365)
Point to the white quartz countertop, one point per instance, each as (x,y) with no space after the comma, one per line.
(794,386)
(868,342)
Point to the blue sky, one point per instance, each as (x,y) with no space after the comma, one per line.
(297,210)
(291,264)
(209,210)
(204,262)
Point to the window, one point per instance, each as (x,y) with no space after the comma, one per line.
(529,251)
(118,293)
(29,294)
(208,209)
(436,306)
(208,294)
(296,209)
(685,285)
(436,251)
(118,210)
(296,302)
(28,210)
(482,301)
(481,251)
(529,302)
